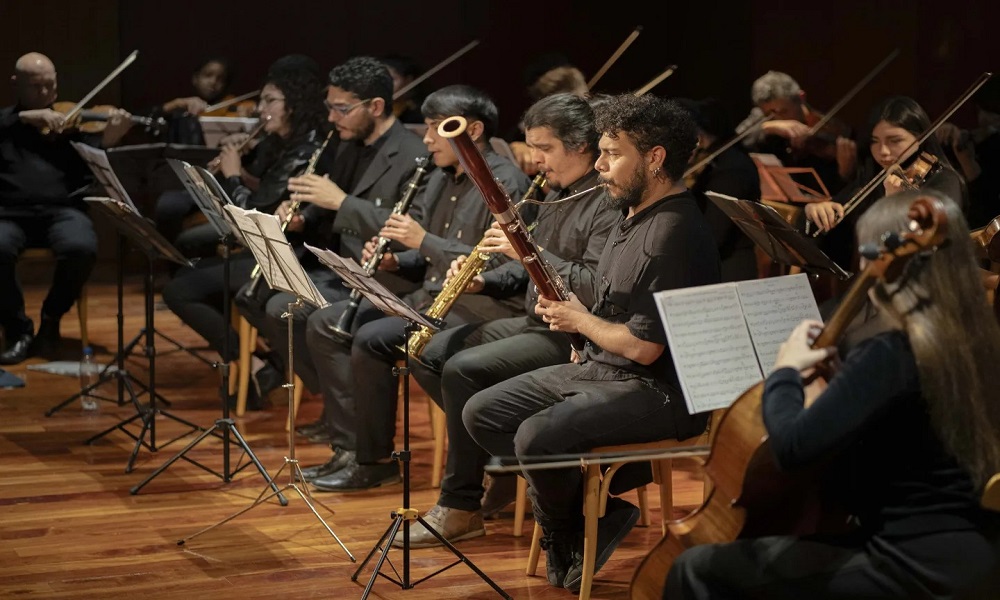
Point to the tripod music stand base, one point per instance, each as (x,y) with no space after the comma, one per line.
(264,496)
(148,417)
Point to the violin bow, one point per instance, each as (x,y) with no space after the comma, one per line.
(878,179)
(231,101)
(614,57)
(656,80)
(853,91)
(444,63)
(100,86)
(754,125)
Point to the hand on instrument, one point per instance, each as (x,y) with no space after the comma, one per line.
(847,158)
(388,262)
(317,190)
(230,162)
(234,139)
(824,214)
(476,284)
(192,105)
(296,224)
(43,118)
(797,352)
(495,241)
(522,157)
(893,184)
(793,131)
(562,316)
(403,229)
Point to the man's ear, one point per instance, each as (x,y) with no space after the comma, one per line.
(377,106)
(475,130)
(656,156)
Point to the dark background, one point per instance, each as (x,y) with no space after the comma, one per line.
(720,48)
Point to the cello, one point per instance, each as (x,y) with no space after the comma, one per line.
(745,481)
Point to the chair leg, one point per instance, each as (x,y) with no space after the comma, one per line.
(439,429)
(665,472)
(248,339)
(535,551)
(643,506)
(81,311)
(591,505)
(520,504)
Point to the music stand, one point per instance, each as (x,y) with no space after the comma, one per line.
(281,269)
(145,237)
(772,233)
(357,278)
(212,200)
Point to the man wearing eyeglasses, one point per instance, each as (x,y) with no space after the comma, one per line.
(374,162)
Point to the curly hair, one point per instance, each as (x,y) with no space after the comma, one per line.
(650,121)
(300,79)
(365,77)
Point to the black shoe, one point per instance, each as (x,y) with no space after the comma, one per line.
(357,478)
(501,490)
(561,549)
(341,460)
(311,429)
(618,520)
(267,379)
(18,351)
(321,437)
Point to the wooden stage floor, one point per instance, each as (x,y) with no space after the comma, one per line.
(72,529)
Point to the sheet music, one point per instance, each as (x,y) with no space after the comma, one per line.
(208,203)
(710,345)
(97,160)
(773,307)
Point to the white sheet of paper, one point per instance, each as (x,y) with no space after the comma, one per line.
(773,307)
(710,344)
(97,160)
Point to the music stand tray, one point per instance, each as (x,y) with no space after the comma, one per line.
(772,233)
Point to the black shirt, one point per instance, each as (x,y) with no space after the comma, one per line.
(38,170)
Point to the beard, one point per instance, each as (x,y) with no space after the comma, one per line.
(628,194)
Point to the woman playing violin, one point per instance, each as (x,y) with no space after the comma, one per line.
(894,124)
(912,418)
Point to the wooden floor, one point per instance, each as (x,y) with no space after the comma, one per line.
(72,529)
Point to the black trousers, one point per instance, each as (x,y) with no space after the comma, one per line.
(195,295)
(70,234)
(172,206)
(463,360)
(570,409)
(957,564)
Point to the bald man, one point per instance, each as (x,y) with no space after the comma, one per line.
(38,175)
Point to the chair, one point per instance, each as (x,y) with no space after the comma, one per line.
(991,493)
(595,497)
(248,341)
(81,302)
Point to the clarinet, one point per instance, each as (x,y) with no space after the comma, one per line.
(293,209)
(342,330)
(542,274)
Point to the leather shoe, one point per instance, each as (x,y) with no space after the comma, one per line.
(357,478)
(311,429)
(341,459)
(18,351)
(618,520)
(452,524)
(501,490)
(321,437)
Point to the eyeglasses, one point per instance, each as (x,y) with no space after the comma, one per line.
(345,110)
(267,100)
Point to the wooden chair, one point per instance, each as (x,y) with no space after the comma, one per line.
(248,341)
(81,302)
(595,497)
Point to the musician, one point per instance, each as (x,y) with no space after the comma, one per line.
(831,151)
(460,361)
(913,414)
(293,116)
(732,173)
(895,123)
(374,163)
(404,70)
(210,82)
(41,176)
(623,387)
(446,220)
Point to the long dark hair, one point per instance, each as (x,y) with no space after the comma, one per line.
(906,113)
(940,303)
(300,79)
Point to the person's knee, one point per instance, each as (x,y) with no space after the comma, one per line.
(690,567)
(464,366)
(474,414)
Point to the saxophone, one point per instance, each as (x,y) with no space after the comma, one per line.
(456,284)
(293,209)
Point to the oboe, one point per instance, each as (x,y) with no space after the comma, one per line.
(342,329)
(293,209)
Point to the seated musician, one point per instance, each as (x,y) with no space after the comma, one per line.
(830,152)
(622,388)
(294,121)
(404,70)
(913,417)
(894,124)
(732,173)
(41,176)
(460,361)
(210,82)
(445,221)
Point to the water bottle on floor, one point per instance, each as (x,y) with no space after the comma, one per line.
(88,377)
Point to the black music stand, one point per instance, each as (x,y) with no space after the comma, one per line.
(281,269)
(355,277)
(775,236)
(145,237)
(211,199)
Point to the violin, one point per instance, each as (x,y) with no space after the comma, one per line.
(987,244)
(749,495)
(95,119)
(913,177)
